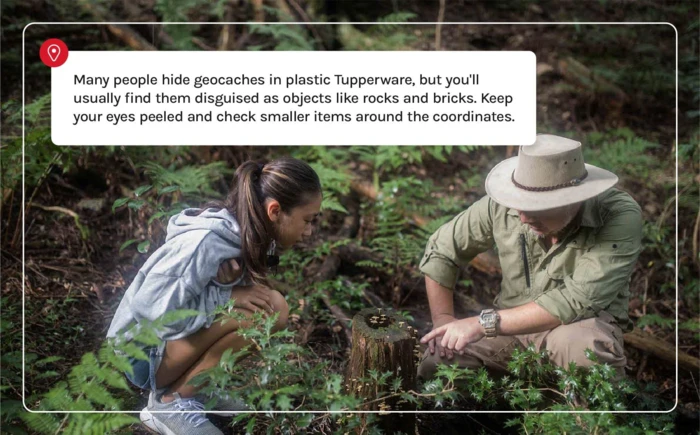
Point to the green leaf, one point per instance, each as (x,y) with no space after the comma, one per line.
(250,426)
(48,360)
(127,244)
(284,403)
(120,202)
(330,203)
(143,246)
(168,189)
(157,216)
(142,189)
(136,205)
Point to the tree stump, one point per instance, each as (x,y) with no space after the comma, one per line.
(383,342)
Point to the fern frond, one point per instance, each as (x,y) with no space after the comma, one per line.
(369,263)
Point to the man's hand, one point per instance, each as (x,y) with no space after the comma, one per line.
(457,334)
(229,271)
(433,345)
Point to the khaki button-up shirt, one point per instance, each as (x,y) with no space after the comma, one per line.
(586,272)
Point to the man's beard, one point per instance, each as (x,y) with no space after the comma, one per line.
(540,236)
(557,234)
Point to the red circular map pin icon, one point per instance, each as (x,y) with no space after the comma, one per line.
(53,52)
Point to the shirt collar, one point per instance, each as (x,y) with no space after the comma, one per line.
(588,216)
(590,213)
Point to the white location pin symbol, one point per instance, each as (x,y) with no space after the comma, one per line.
(54,50)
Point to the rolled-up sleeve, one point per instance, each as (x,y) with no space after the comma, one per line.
(603,273)
(457,242)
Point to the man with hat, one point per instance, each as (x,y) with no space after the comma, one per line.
(567,242)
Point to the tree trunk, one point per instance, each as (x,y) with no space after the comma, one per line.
(383,342)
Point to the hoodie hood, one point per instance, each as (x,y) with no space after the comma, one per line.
(221,222)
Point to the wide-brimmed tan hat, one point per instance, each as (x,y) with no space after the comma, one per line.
(550,173)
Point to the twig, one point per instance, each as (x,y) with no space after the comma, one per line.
(12,203)
(201,44)
(697,391)
(306,19)
(63,210)
(438,27)
(60,426)
(83,229)
(482,425)
(227,30)
(642,366)
(31,198)
(696,230)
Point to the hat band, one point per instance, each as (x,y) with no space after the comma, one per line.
(574,182)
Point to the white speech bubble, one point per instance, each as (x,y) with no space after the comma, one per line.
(323,98)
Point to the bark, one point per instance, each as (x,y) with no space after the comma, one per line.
(383,342)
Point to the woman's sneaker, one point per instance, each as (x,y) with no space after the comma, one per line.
(176,422)
(223,403)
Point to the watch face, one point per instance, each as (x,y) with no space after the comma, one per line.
(489,318)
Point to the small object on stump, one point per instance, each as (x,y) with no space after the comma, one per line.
(384,344)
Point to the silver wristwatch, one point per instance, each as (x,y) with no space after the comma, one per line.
(489,319)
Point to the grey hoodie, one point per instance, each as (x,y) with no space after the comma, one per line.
(181,274)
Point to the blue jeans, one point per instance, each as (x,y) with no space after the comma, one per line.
(144,375)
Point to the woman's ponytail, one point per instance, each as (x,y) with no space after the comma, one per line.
(248,205)
(289,181)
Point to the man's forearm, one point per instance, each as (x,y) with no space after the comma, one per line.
(525,319)
(440,299)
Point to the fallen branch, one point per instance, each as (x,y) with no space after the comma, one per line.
(84,231)
(577,72)
(121,31)
(661,350)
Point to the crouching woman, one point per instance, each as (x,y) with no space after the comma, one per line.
(270,205)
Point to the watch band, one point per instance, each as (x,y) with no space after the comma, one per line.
(489,325)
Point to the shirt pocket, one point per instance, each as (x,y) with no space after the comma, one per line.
(563,264)
(515,255)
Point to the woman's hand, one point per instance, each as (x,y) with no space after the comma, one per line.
(253,299)
(457,335)
(229,271)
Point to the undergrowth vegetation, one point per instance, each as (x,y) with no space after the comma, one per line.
(399,195)
(272,372)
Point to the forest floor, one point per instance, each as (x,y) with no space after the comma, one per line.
(75,280)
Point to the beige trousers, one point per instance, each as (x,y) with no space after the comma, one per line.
(564,344)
